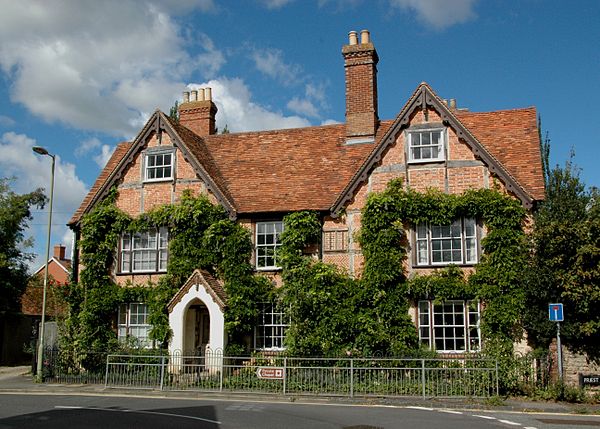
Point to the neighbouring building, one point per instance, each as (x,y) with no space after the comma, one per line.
(258,177)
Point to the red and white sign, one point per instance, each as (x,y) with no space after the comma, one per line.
(270,372)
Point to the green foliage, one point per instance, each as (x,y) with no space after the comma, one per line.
(15,214)
(201,237)
(565,263)
(174,112)
(332,313)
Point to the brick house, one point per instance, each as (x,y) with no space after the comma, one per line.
(59,273)
(258,177)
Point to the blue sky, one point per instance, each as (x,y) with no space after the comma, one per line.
(79,76)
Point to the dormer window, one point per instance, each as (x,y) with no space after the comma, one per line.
(426,145)
(158,166)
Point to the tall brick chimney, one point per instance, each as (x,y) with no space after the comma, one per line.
(197,112)
(59,252)
(360,63)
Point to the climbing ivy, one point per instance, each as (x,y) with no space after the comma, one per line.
(200,236)
(334,313)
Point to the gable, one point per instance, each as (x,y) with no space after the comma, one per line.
(425,107)
(195,170)
(202,278)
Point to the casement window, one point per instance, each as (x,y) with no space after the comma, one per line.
(426,145)
(456,243)
(271,327)
(158,166)
(133,323)
(267,244)
(145,251)
(335,240)
(450,326)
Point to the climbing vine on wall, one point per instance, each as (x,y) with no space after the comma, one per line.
(200,236)
(333,313)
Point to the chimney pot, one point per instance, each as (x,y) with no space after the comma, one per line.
(453,103)
(208,94)
(186,96)
(365,37)
(201,94)
(194,95)
(352,38)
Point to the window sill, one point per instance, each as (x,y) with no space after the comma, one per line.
(464,265)
(268,269)
(426,161)
(142,273)
(167,179)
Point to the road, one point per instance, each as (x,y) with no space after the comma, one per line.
(61,411)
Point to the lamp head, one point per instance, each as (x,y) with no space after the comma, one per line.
(40,150)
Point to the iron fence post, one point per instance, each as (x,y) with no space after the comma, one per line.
(221,373)
(162,371)
(284,374)
(106,375)
(423,376)
(497,382)
(352,377)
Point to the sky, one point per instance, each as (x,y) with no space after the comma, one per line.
(79,76)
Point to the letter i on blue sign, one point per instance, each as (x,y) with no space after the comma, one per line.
(555,312)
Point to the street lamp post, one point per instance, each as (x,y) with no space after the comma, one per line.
(40,355)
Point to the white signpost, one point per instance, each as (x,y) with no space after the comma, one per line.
(270,373)
(555,314)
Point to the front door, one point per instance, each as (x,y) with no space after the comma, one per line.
(202,329)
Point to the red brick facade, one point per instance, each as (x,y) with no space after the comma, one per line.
(263,175)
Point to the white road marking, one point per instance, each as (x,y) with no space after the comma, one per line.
(450,412)
(138,412)
(508,422)
(419,408)
(484,417)
(529,427)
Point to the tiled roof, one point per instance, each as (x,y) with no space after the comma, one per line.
(512,137)
(287,170)
(112,163)
(212,285)
(310,168)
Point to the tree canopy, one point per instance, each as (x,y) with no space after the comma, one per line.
(565,263)
(15,214)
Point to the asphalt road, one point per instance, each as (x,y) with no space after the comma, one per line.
(61,412)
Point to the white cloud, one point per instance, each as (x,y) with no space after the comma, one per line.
(33,171)
(271,63)
(240,113)
(100,65)
(87,146)
(102,158)
(303,107)
(211,61)
(275,4)
(439,13)
(6,121)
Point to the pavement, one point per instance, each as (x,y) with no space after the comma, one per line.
(19,380)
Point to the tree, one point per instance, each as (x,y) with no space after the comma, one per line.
(564,267)
(174,111)
(15,213)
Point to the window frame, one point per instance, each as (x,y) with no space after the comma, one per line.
(424,239)
(471,326)
(125,326)
(159,253)
(274,245)
(441,145)
(154,153)
(276,331)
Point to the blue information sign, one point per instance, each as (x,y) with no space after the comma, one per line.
(555,312)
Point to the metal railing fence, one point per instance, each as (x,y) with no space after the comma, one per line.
(350,377)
